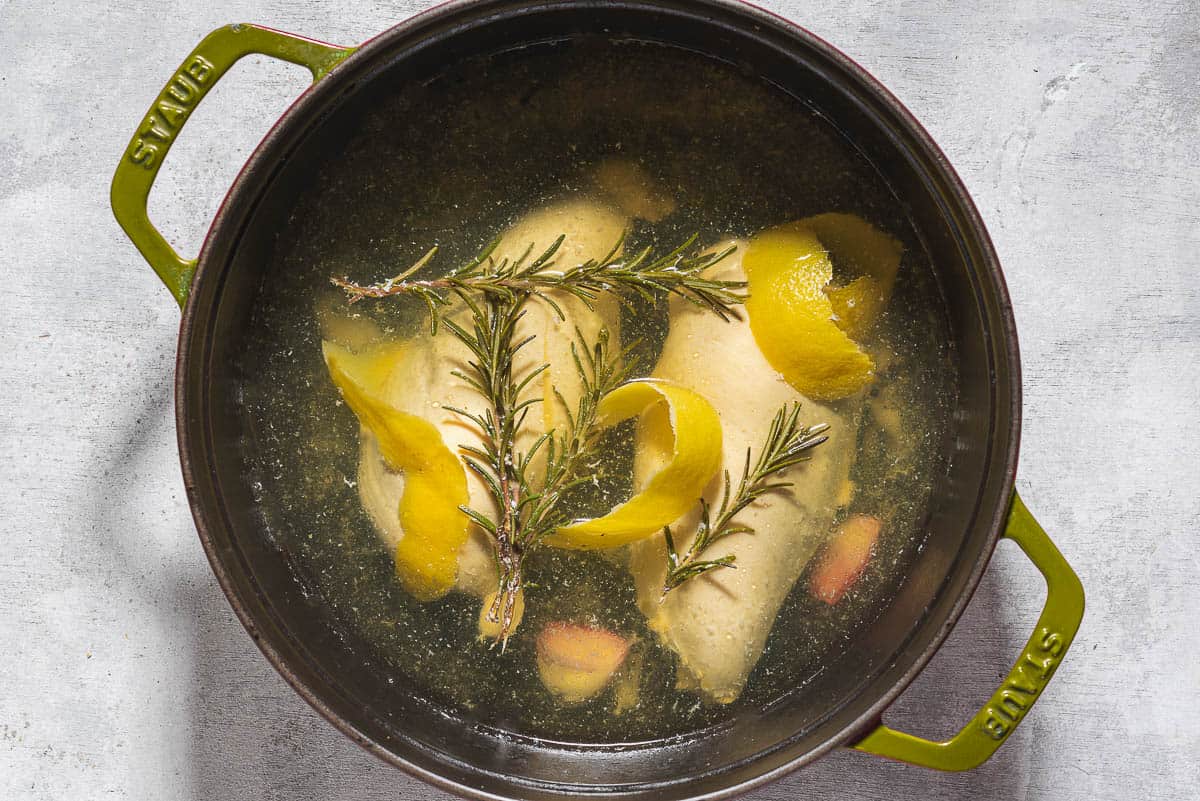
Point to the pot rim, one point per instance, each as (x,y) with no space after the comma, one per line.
(1003,340)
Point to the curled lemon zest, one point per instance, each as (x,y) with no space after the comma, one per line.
(803,325)
(694,458)
(435,483)
(862,250)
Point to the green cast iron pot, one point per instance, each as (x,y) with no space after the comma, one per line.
(841,707)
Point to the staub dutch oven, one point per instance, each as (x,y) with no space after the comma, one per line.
(973,505)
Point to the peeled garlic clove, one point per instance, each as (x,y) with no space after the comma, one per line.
(576,662)
(845,558)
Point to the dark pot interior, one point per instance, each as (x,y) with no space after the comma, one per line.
(334,672)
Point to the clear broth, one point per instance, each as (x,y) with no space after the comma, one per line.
(452,162)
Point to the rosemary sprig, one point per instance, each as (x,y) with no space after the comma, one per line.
(495,293)
(679,272)
(492,341)
(527,513)
(787,444)
(600,372)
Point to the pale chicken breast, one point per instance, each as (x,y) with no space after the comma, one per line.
(422,383)
(718,623)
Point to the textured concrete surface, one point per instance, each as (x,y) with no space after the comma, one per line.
(123,672)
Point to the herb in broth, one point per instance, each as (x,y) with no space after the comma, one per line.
(526,508)
(519,279)
(596,652)
(787,444)
(523,490)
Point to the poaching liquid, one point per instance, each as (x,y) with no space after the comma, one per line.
(453,162)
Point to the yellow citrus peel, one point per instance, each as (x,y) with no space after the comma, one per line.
(863,250)
(694,458)
(435,484)
(804,326)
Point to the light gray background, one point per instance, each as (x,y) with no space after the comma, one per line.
(123,672)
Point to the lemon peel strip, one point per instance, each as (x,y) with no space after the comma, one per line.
(673,491)
(866,252)
(805,327)
(435,482)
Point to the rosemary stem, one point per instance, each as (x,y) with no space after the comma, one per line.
(681,272)
(787,444)
(502,315)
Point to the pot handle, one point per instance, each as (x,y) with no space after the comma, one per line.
(199,72)
(1042,655)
